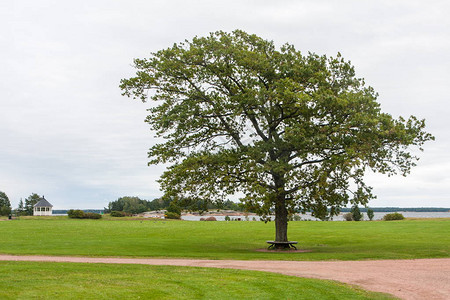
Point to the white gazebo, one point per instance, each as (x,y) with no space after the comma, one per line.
(42,208)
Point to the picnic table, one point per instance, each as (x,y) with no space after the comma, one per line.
(274,244)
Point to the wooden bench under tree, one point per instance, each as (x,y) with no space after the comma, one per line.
(281,245)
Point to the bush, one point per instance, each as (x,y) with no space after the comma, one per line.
(356,213)
(227,218)
(79,214)
(118,214)
(348,217)
(370,214)
(174,208)
(210,219)
(75,214)
(5,210)
(172,215)
(393,216)
(91,215)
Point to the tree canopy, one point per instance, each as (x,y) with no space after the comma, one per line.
(287,131)
(30,202)
(5,205)
(20,208)
(132,205)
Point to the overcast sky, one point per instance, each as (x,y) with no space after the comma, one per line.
(68,134)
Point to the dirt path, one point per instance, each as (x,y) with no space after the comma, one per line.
(407,279)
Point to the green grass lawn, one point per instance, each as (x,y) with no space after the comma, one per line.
(405,239)
(29,280)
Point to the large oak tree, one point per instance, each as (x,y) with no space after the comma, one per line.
(289,132)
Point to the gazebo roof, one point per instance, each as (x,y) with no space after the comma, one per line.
(43,203)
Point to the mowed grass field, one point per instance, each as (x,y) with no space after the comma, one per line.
(30,280)
(405,239)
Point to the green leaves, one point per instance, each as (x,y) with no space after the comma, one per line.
(240,116)
(5,205)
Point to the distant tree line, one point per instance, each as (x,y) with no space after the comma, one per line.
(135,205)
(25,208)
(127,204)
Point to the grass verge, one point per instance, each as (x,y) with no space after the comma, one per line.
(31,280)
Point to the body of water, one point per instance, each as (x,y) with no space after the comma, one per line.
(377,216)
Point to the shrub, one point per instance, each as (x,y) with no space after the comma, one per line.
(370,214)
(75,214)
(118,214)
(174,208)
(297,218)
(227,218)
(91,215)
(356,213)
(172,215)
(79,214)
(202,219)
(210,219)
(348,217)
(393,216)
(5,210)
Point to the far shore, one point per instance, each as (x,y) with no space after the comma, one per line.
(220,213)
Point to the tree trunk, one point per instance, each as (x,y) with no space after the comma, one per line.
(281,213)
(281,220)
